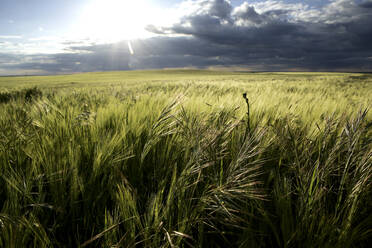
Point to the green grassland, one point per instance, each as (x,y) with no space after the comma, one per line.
(172,159)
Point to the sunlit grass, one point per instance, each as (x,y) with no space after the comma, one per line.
(164,159)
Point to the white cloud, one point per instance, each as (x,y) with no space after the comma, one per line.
(45,38)
(271,5)
(10,37)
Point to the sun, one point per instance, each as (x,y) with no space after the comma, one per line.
(114,20)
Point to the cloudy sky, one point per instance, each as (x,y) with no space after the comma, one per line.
(66,36)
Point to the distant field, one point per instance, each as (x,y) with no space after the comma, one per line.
(171,159)
(307,95)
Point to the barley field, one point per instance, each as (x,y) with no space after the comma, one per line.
(179,158)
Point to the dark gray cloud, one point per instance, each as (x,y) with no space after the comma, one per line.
(269,35)
(367,5)
(97,60)
(336,37)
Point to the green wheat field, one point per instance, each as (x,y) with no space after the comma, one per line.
(179,158)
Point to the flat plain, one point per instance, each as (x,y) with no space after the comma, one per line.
(177,158)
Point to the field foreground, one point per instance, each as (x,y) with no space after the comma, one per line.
(173,159)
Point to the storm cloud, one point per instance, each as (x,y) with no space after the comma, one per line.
(336,37)
(269,35)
